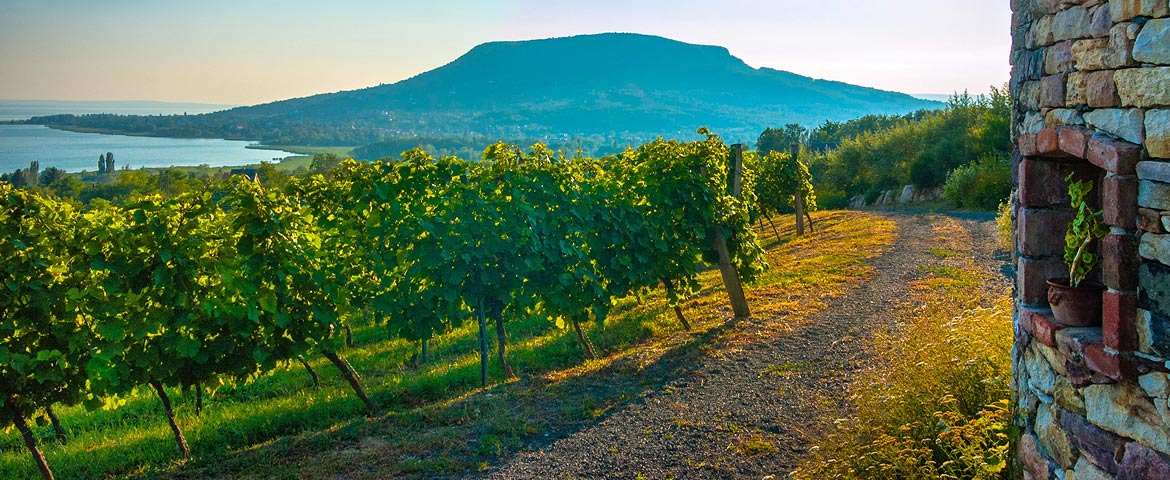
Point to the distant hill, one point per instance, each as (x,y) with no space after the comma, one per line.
(615,85)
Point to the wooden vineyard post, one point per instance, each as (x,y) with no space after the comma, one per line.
(483,344)
(735,293)
(799,194)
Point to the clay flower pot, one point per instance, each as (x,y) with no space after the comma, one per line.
(1075,306)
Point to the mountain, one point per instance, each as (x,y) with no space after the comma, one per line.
(617,85)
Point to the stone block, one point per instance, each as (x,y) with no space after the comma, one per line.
(1142,463)
(1064,117)
(1118,314)
(1035,462)
(1054,439)
(1058,58)
(1076,87)
(1040,233)
(1120,262)
(1155,195)
(1150,221)
(1066,395)
(1052,91)
(1053,356)
(1155,247)
(1115,157)
(1126,124)
(1157,171)
(1143,87)
(1029,95)
(1103,449)
(1154,287)
(1124,10)
(1124,409)
(1153,43)
(1041,32)
(1158,131)
(1100,21)
(1085,470)
(1091,54)
(1101,91)
(1071,24)
(1033,123)
(1032,68)
(1153,333)
(1155,384)
(1119,54)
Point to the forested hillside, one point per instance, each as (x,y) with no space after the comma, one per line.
(625,87)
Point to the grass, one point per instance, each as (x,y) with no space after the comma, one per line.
(434,419)
(935,402)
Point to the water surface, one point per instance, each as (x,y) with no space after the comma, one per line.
(74,152)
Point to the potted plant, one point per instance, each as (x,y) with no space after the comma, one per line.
(1076,302)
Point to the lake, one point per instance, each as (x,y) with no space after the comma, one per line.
(74,152)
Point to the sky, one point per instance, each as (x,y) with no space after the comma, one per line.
(245,52)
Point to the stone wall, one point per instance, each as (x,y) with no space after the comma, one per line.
(1091,84)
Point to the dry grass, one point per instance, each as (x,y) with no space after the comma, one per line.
(935,403)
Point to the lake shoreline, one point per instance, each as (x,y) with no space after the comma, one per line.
(77,150)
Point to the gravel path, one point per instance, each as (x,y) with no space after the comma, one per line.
(753,411)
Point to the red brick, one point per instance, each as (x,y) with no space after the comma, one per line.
(1040,233)
(1027,145)
(1114,156)
(1048,143)
(1044,327)
(1025,320)
(1101,90)
(1120,262)
(1119,201)
(1118,314)
(1033,278)
(1052,90)
(1110,364)
(1150,221)
(1073,141)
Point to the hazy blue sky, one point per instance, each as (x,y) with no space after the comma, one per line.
(252,51)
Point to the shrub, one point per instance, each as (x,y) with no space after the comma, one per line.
(981,185)
(1003,225)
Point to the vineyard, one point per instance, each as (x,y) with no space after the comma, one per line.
(208,292)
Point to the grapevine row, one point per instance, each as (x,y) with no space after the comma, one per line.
(234,280)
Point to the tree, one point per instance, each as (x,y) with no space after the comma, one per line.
(777,140)
(50,175)
(324,162)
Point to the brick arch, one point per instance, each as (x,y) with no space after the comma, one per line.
(1043,213)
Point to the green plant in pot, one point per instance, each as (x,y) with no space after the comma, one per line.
(1075,301)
